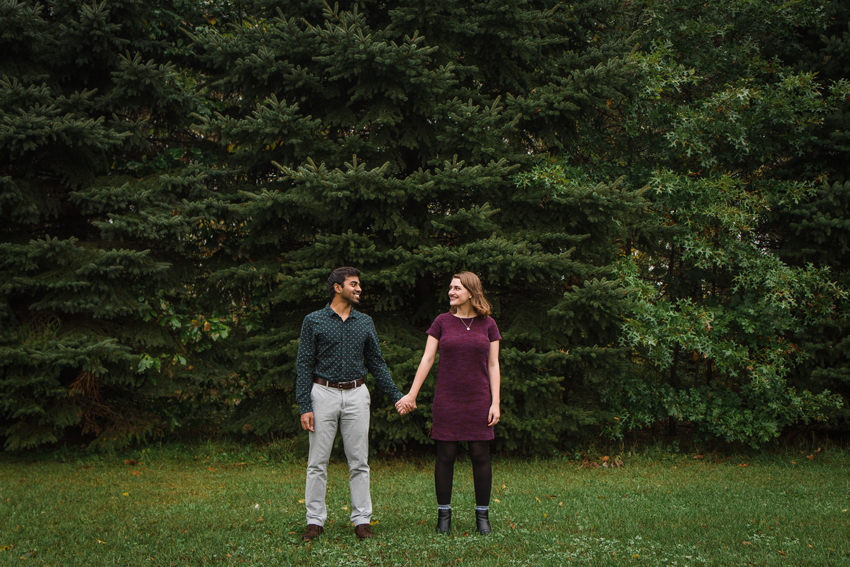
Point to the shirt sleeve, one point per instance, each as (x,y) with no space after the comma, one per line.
(436,329)
(305,365)
(377,365)
(493,330)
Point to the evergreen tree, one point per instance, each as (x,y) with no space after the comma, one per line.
(387,135)
(99,201)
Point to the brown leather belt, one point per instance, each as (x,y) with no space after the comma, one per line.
(350,385)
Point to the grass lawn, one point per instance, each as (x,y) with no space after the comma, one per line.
(206,506)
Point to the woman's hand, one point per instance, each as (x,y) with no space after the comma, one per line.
(493,417)
(406,404)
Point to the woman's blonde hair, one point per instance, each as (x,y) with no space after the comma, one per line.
(473,285)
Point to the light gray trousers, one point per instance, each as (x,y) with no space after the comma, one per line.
(348,411)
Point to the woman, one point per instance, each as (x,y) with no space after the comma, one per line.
(466,398)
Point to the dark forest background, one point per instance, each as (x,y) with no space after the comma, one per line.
(655,194)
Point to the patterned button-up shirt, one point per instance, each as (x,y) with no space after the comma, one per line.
(339,351)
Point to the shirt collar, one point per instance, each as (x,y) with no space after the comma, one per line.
(331,313)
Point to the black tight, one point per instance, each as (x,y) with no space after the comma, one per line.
(482,472)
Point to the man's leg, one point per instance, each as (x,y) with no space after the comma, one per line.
(354,426)
(326,410)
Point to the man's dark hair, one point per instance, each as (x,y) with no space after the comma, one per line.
(338,277)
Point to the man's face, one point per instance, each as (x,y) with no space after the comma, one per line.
(349,290)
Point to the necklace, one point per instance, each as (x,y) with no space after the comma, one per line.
(471,321)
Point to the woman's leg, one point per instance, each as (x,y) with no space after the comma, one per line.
(444,471)
(482,477)
(482,471)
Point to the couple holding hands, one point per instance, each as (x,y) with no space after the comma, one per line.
(339,345)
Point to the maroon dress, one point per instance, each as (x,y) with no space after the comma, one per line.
(462,396)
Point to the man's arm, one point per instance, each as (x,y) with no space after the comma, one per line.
(304,373)
(377,365)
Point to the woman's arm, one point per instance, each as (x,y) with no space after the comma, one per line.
(495,384)
(408,402)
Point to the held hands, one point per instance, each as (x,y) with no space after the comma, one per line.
(493,416)
(406,404)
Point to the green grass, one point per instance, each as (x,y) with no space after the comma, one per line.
(226,508)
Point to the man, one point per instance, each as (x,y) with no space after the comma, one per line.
(338,345)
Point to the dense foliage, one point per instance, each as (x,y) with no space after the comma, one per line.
(97,170)
(741,296)
(655,194)
(387,136)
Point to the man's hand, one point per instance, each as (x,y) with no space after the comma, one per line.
(406,404)
(307,421)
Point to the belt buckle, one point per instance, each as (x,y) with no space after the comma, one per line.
(348,385)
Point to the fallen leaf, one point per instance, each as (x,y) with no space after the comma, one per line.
(135,473)
(697,457)
(211,469)
(301,501)
(782,553)
(497,500)
(130,462)
(810,457)
(793,462)
(745,543)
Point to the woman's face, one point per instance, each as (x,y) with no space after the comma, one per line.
(458,295)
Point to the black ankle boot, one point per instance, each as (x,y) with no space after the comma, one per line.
(482,520)
(444,521)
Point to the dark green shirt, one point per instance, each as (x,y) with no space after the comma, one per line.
(339,351)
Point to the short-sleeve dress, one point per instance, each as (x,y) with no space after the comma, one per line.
(462,396)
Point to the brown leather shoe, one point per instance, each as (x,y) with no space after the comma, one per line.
(312,532)
(363,531)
